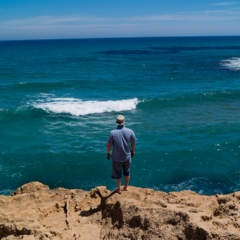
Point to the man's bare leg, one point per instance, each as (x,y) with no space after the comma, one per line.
(118,182)
(126,180)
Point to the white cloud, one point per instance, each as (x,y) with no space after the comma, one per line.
(224,3)
(51,21)
(77,24)
(204,16)
(43,20)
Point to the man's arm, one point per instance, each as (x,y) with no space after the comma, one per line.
(108,148)
(133,148)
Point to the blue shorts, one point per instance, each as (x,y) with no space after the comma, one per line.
(117,168)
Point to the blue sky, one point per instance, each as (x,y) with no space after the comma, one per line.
(53,19)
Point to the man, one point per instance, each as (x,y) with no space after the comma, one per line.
(123,141)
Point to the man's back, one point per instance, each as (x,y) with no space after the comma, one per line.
(121,138)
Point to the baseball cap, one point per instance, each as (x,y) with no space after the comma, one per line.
(120,120)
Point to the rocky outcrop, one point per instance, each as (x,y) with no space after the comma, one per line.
(36,212)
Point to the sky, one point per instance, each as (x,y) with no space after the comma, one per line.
(62,19)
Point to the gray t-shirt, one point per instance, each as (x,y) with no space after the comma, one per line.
(121,139)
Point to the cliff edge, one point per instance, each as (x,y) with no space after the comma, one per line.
(36,212)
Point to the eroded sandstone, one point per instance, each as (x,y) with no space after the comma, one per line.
(36,212)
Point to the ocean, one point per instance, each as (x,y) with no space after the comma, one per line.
(180,95)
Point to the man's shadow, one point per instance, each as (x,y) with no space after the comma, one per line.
(99,207)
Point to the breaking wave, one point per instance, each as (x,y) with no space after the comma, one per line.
(78,107)
(232,63)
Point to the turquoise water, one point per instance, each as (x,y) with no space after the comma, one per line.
(181,96)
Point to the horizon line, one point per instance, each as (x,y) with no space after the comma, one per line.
(92,38)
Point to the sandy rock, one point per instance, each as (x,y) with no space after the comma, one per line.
(36,212)
(30,188)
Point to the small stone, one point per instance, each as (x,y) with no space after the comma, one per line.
(193,210)
(205,218)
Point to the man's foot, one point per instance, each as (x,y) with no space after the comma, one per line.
(117,191)
(125,188)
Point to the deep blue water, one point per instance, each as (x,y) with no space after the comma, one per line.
(181,96)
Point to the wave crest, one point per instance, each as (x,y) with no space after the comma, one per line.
(78,107)
(233,63)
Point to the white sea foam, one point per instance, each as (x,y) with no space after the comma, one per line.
(232,63)
(78,107)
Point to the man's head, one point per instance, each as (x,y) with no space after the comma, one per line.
(120,120)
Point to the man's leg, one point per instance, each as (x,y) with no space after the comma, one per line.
(126,173)
(116,174)
(118,182)
(126,179)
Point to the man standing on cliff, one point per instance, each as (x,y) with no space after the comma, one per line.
(123,141)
